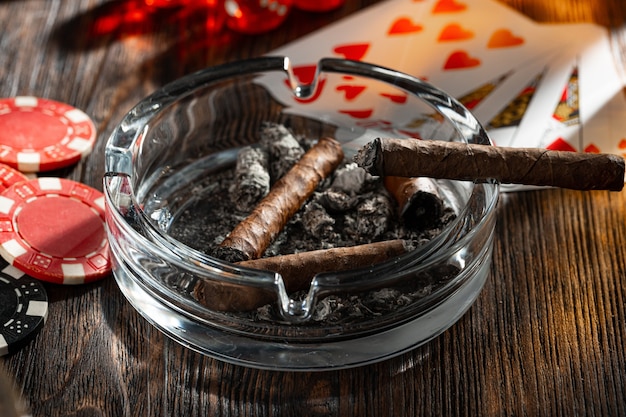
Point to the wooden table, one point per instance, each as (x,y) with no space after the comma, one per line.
(547,336)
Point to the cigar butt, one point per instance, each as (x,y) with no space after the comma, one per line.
(297,271)
(252,178)
(419,202)
(462,161)
(250,238)
(221,296)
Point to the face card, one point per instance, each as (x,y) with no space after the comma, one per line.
(563,130)
(545,100)
(602,105)
(501,112)
(541,79)
(504,125)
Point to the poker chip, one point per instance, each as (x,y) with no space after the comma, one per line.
(10,176)
(38,134)
(53,229)
(23,308)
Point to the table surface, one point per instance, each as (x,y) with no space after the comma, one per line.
(547,336)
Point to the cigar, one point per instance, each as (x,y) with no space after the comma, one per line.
(462,161)
(227,297)
(249,239)
(419,202)
(297,271)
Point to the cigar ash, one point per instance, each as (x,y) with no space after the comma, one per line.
(347,209)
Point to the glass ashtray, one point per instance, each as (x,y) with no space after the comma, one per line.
(165,168)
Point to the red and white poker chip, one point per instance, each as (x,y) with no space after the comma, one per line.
(53,229)
(10,176)
(38,134)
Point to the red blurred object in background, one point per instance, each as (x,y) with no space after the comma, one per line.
(167,3)
(256,16)
(317,5)
(245,16)
(209,14)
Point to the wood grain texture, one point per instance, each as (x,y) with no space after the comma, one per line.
(547,336)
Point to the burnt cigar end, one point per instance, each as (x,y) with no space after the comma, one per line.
(369,157)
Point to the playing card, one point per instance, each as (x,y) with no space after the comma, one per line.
(563,129)
(502,111)
(602,106)
(445,42)
(464,52)
(542,96)
(458,51)
(526,82)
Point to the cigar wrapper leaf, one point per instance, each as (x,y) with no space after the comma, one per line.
(471,162)
(419,202)
(297,271)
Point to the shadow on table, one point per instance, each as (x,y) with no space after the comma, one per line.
(174,380)
(121,19)
(189,38)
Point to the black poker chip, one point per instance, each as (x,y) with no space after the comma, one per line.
(23,308)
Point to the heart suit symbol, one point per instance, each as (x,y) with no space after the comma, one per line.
(561,145)
(448,6)
(459,60)
(395,98)
(358,114)
(354,51)
(455,32)
(351,91)
(403,26)
(503,38)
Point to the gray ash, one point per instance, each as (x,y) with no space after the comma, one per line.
(348,209)
(344,309)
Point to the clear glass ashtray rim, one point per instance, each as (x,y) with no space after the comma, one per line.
(331,355)
(156,103)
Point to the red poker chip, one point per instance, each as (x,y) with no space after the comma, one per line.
(38,134)
(53,229)
(10,176)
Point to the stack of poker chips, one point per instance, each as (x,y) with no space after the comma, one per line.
(51,229)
